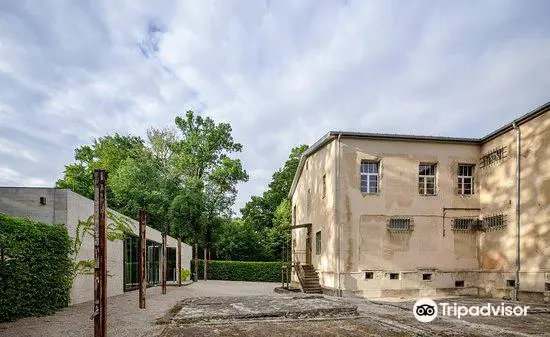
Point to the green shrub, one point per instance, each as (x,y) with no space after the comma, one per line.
(241,271)
(35,268)
(185,274)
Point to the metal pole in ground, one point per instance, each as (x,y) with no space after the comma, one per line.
(100,254)
(164,259)
(142,257)
(179,262)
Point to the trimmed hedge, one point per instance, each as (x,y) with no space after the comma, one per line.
(240,271)
(35,268)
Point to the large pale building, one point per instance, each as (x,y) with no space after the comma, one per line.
(383,215)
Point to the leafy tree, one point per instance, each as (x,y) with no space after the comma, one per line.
(237,241)
(267,213)
(208,174)
(105,153)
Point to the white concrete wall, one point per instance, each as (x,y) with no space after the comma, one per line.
(68,208)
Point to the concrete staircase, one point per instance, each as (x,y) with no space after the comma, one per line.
(310,280)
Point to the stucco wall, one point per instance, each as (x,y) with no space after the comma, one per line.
(311,207)
(69,208)
(498,195)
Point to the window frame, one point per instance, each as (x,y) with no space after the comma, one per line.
(318,243)
(461,179)
(425,177)
(368,176)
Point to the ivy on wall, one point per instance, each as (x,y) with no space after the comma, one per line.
(36,269)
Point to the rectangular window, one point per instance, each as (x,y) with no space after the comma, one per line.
(369,177)
(394,276)
(459,284)
(510,283)
(464,224)
(495,221)
(426,179)
(324,185)
(492,157)
(399,224)
(426,277)
(294,215)
(466,179)
(369,275)
(318,243)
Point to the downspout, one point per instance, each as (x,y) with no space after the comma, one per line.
(518,200)
(337,186)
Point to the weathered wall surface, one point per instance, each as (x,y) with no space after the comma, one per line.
(309,206)
(68,209)
(367,245)
(498,196)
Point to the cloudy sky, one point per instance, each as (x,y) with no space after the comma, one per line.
(281,72)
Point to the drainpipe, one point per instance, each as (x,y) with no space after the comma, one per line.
(337,186)
(518,152)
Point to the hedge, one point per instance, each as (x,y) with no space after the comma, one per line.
(240,271)
(35,268)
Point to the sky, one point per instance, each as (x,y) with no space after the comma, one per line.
(282,73)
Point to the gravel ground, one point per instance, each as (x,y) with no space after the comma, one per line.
(124,318)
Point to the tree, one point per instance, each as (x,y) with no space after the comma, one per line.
(208,175)
(260,213)
(237,241)
(105,153)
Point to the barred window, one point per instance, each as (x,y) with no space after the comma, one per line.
(466,179)
(369,177)
(492,157)
(495,221)
(400,224)
(426,179)
(464,224)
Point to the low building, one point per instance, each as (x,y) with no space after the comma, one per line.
(383,215)
(62,206)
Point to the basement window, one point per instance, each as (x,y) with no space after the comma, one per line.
(497,221)
(510,283)
(394,276)
(369,275)
(459,284)
(399,224)
(42,200)
(465,179)
(464,224)
(426,277)
(492,157)
(426,179)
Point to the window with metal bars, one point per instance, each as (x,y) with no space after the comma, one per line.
(426,179)
(400,224)
(369,177)
(494,222)
(464,224)
(492,157)
(466,179)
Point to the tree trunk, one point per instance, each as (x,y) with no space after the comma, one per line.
(196,278)
(205,263)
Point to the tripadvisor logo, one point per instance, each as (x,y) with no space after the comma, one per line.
(426,310)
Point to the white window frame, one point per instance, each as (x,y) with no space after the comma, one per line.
(424,179)
(461,178)
(368,176)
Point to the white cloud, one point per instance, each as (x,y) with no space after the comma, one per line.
(282,73)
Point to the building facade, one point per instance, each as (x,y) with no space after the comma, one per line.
(393,215)
(62,206)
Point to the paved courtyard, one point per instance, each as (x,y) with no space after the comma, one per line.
(222,308)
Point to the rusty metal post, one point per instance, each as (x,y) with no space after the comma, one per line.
(179,262)
(142,257)
(100,253)
(164,259)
